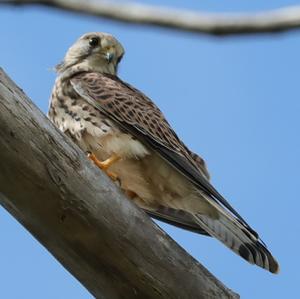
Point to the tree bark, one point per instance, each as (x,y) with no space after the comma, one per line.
(111,246)
(218,24)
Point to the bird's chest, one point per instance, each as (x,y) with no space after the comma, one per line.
(89,128)
(72,115)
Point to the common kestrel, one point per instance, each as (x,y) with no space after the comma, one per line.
(127,135)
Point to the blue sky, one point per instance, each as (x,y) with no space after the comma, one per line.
(234,100)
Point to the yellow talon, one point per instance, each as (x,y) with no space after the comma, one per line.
(104,165)
(112,175)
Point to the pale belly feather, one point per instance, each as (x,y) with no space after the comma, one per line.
(140,170)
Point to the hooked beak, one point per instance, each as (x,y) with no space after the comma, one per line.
(109,56)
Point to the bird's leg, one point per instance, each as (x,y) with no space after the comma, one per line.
(104,165)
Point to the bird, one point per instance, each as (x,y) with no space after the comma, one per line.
(125,134)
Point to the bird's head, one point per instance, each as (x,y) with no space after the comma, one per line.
(95,51)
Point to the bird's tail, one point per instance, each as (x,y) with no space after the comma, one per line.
(238,237)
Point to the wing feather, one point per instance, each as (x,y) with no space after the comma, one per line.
(139,116)
(178,218)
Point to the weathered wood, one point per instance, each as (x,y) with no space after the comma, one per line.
(74,210)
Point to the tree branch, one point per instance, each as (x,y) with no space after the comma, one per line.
(112,247)
(215,24)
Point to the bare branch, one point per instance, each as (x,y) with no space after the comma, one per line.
(215,24)
(112,247)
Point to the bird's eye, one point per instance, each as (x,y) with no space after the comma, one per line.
(94,41)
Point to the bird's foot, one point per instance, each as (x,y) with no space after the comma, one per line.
(130,194)
(112,175)
(104,165)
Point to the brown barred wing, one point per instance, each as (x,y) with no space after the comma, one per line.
(137,114)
